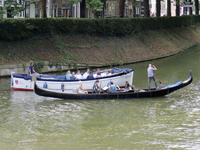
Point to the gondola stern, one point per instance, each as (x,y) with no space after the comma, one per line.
(189,80)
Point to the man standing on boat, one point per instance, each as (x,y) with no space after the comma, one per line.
(151,75)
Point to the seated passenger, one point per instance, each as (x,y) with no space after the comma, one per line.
(113,87)
(73,76)
(126,84)
(81,77)
(98,70)
(90,76)
(98,75)
(96,87)
(78,74)
(86,73)
(80,88)
(95,72)
(108,73)
(68,75)
(127,87)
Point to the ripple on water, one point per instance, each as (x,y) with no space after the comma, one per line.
(29,121)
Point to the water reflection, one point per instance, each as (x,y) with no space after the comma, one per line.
(29,121)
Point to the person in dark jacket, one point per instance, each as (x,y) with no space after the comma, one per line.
(96,87)
(73,76)
(90,76)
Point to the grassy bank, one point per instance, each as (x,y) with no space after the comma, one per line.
(100,50)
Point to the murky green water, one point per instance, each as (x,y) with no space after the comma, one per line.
(28,121)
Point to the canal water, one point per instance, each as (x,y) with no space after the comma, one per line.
(31,122)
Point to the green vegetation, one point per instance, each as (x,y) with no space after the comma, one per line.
(94,6)
(38,66)
(11,7)
(72,50)
(17,29)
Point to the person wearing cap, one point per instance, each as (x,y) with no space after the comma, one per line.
(80,88)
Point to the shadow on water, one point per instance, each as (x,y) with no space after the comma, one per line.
(29,121)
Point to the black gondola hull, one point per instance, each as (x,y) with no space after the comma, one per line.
(118,95)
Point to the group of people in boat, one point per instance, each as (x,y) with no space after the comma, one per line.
(97,74)
(87,75)
(111,88)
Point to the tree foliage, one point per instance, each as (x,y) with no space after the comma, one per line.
(73,1)
(135,4)
(1,13)
(16,29)
(13,5)
(94,6)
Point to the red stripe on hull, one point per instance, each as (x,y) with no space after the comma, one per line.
(20,89)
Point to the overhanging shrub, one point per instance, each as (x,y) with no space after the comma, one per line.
(16,29)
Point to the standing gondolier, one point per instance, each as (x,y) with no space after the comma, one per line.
(151,75)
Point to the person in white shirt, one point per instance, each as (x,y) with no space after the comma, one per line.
(81,77)
(78,74)
(80,88)
(86,73)
(108,73)
(151,75)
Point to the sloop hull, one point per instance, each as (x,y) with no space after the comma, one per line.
(18,83)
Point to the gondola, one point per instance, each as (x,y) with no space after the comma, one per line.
(131,94)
